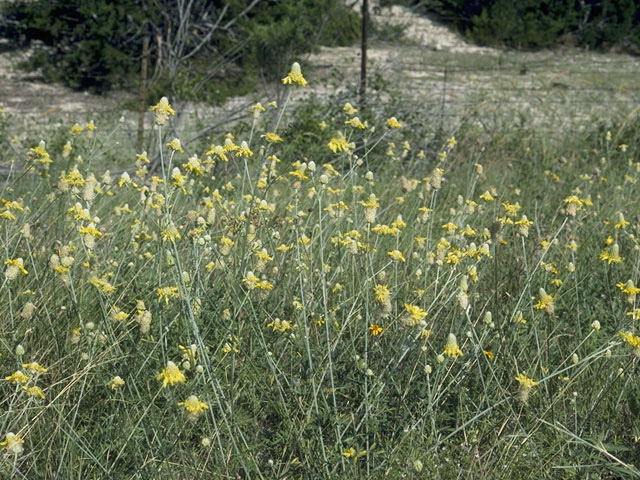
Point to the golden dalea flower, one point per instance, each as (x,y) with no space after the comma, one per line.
(573,204)
(34,391)
(14,266)
(526,384)
(397,255)
(633,340)
(355,122)
(76,130)
(272,137)
(295,76)
(393,123)
(13,443)
(27,311)
(545,302)
(281,326)
(34,367)
(252,282)
(487,197)
(524,223)
(383,297)
(167,293)
(630,290)
(171,375)
(17,377)
(175,145)
(339,144)
(370,208)
(102,285)
(193,406)
(621,223)
(451,349)
(163,111)
(416,313)
(91,127)
(244,150)
(116,382)
(611,255)
(349,109)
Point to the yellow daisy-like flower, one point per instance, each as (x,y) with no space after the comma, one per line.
(171,375)
(375,329)
(526,384)
(167,293)
(397,255)
(355,122)
(13,443)
(415,312)
(633,340)
(116,382)
(273,137)
(34,392)
(175,145)
(393,123)
(34,367)
(339,144)
(14,266)
(295,76)
(193,406)
(451,349)
(17,377)
(545,302)
(163,111)
(76,130)
(612,255)
(349,109)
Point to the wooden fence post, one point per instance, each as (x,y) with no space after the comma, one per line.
(143,92)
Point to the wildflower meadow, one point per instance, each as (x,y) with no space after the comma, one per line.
(320,293)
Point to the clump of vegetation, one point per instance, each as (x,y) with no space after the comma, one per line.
(321,297)
(197,50)
(539,23)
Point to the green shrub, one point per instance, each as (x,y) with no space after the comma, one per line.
(537,23)
(97,44)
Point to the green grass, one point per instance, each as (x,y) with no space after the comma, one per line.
(296,384)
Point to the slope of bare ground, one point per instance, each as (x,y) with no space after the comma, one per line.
(429,68)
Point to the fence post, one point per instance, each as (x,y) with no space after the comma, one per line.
(363,53)
(143,92)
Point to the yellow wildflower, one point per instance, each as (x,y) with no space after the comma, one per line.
(545,302)
(526,384)
(415,312)
(295,76)
(193,406)
(167,293)
(116,382)
(17,377)
(163,111)
(34,391)
(13,443)
(393,123)
(375,329)
(171,375)
(175,145)
(273,137)
(339,144)
(451,349)
(34,367)
(612,255)
(397,255)
(349,109)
